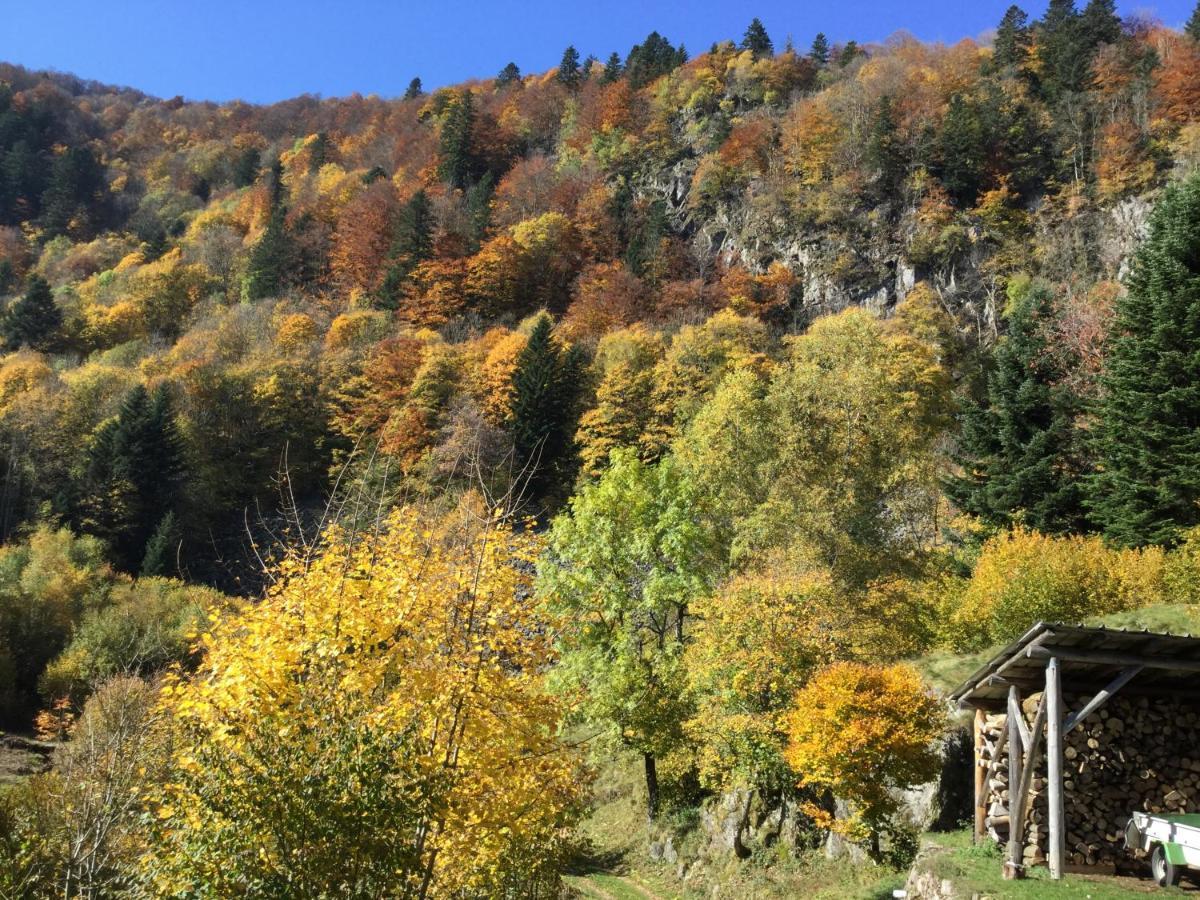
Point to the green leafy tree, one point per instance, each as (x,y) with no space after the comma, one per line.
(1020,449)
(756,39)
(621,568)
(1148,430)
(1012,38)
(135,475)
(819,52)
(33,320)
(568,69)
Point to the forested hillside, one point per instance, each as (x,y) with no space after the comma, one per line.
(661,403)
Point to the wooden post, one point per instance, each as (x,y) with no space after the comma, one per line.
(1016,747)
(980,778)
(1054,768)
(1016,851)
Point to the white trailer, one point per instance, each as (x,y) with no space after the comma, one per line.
(1173,843)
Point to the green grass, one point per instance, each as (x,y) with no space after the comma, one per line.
(978,870)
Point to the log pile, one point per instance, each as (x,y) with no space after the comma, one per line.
(1134,753)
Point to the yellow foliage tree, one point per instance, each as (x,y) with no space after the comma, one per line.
(864,732)
(375,727)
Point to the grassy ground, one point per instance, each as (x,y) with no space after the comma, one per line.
(976,870)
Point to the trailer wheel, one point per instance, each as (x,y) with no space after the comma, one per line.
(1164,871)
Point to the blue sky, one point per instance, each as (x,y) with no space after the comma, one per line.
(263,51)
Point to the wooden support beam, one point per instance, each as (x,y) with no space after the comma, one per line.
(1018,806)
(1018,740)
(1102,697)
(1107,658)
(980,778)
(1054,769)
(1017,717)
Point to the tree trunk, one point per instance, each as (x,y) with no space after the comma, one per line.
(651,786)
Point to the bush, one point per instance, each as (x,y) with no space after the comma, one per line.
(1023,576)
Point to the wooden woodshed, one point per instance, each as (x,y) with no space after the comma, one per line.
(1075,727)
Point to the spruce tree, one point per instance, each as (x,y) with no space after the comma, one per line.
(1192,28)
(33,320)
(1020,449)
(612,69)
(160,556)
(883,151)
(412,244)
(1060,48)
(135,475)
(1099,24)
(819,52)
(1012,39)
(962,151)
(245,168)
(270,259)
(542,421)
(510,74)
(849,52)
(756,40)
(1147,489)
(76,178)
(414,90)
(568,68)
(455,161)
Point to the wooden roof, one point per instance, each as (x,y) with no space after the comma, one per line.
(1088,657)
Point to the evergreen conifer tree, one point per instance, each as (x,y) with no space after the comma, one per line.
(412,244)
(76,177)
(270,259)
(1192,28)
(160,557)
(1012,38)
(1147,489)
(568,68)
(1020,449)
(819,52)
(245,168)
(756,39)
(455,160)
(962,151)
(135,475)
(1099,24)
(612,69)
(510,74)
(544,385)
(34,319)
(849,52)
(414,90)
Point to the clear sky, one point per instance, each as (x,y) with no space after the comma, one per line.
(265,50)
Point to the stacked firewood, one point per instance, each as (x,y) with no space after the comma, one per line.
(1135,753)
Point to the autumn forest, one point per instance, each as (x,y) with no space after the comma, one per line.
(393,491)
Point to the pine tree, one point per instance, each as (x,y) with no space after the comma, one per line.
(544,384)
(160,558)
(1147,488)
(34,319)
(1020,449)
(414,90)
(612,69)
(1012,39)
(412,244)
(1099,24)
(568,68)
(1192,28)
(76,178)
(270,259)
(962,151)
(455,160)
(510,74)
(245,168)
(756,40)
(819,52)
(135,475)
